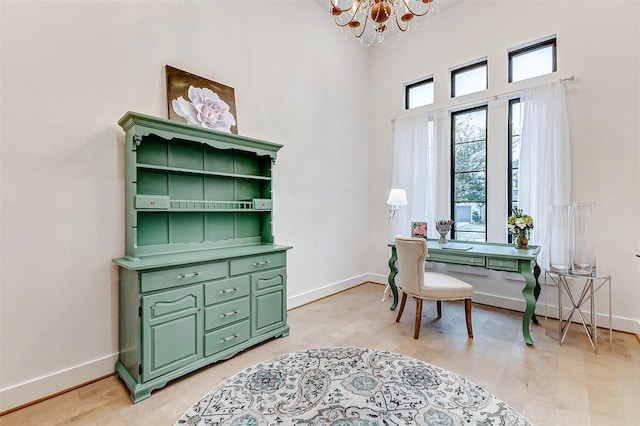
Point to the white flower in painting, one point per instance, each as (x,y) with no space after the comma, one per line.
(206,109)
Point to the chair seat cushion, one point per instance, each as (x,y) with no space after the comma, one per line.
(445,287)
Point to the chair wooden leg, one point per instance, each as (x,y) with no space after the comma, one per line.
(467,312)
(416,330)
(439,307)
(402,302)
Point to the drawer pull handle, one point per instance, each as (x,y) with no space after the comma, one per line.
(193,274)
(473,260)
(264,262)
(226,339)
(229,290)
(228,314)
(501,264)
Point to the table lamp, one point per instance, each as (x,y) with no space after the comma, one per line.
(397,197)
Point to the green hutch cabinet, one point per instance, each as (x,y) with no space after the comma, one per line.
(201,279)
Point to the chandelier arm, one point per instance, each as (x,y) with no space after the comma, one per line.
(353,16)
(334,5)
(398,24)
(364,26)
(342,25)
(411,11)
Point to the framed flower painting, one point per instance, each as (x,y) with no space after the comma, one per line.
(419,229)
(201,102)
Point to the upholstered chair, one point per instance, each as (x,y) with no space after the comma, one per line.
(414,281)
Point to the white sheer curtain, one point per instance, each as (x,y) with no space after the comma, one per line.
(414,170)
(545,158)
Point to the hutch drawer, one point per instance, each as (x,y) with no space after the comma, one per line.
(220,291)
(187,274)
(152,202)
(256,263)
(226,313)
(226,337)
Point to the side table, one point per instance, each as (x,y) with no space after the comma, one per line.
(586,290)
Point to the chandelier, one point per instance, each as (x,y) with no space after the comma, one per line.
(371,18)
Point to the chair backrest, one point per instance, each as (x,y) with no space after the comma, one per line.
(412,253)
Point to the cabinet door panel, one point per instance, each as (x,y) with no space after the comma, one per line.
(172,330)
(268,311)
(267,279)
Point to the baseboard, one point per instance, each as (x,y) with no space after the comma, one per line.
(377,278)
(55,383)
(322,292)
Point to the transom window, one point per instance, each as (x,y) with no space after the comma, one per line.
(533,60)
(469,177)
(469,79)
(418,94)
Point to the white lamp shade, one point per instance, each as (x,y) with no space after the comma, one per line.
(397,197)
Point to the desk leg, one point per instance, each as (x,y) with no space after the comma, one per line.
(531,291)
(393,271)
(536,290)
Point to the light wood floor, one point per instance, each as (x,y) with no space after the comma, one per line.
(549,384)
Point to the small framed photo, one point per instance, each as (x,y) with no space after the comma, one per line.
(419,229)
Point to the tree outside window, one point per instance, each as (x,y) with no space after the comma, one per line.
(469,177)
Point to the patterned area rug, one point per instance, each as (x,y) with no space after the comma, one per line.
(348,386)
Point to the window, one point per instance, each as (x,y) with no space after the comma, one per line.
(469,79)
(513,162)
(469,177)
(418,94)
(533,60)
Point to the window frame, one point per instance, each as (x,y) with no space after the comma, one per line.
(464,68)
(413,84)
(531,48)
(510,135)
(485,108)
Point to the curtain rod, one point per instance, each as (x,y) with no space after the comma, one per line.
(486,98)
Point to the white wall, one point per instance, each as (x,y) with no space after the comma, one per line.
(600,46)
(70,70)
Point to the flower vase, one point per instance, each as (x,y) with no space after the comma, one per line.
(583,253)
(443,230)
(521,240)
